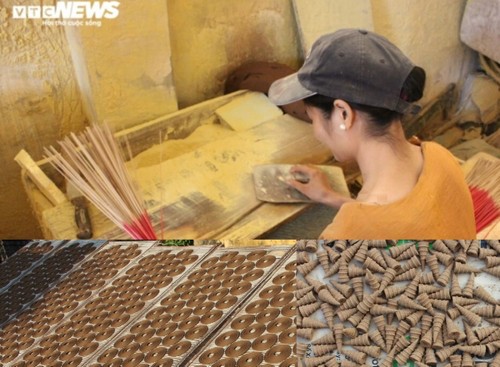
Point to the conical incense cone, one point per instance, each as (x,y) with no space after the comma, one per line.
(349,253)
(492,261)
(437,324)
(334,269)
(301,292)
(332,362)
(320,350)
(325,340)
(377,339)
(464,268)
(398,250)
(415,333)
(349,303)
(381,310)
(464,244)
(309,309)
(332,254)
(444,353)
(425,301)
(372,280)
(339,297)
(470,317)
(380,323)
(495,244)
(355,271)
(473,249)
(433,264)
(440,246)
(413,262)
(438,343)
(301,245)
(444,293)
(349,363)
(477,350)
(311,246)
(317,285)
(427,278)
(390,333)
(472,339)
(426,323)
(306,333)
(359,340)
(345,314)
(345,289)
(452,328)
(388,361)
(340,245)
(315,361)
(494,320)
(301,349)
(355,355)
(350,332)
(324,260)
(409,303)
(376,256)
(407,254)
(391,262)
(343,272)
(337,331)
(407,275)
(306,299)
(423,250)
(426,340)
(460,257)
(462,301)
(325,296)
(367,302)
(403,313)
(455,287)
(404,355)
(483,294)
(430,357)
(356,318)
(487,311)
(445,259)
(392,303)
(456,360)
(401,330)
(444,277)
(484,252)
(306,268)
(372,350)
(418,353)
(302,257)
(364,324)
(378,244)
(415,317)
(483,333)
(427,288)
(309,322)
(400,344)
(373,265)
(453,313)
(393,291)
(493,337)
(358,285)
(467,360)
(387,279)
(299,283)
(328,313)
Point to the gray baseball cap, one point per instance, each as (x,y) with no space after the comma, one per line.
(351,64)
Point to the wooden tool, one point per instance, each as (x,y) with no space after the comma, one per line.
(270,182)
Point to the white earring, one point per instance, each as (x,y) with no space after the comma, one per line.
(342,127)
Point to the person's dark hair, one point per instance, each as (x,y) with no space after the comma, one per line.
(380,118)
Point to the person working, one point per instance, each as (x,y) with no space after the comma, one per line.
(357,86)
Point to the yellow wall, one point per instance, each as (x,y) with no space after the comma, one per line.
(125,73)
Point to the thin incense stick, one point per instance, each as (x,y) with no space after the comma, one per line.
(93,162)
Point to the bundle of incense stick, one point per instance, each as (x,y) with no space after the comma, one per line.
(93,163)
(483,183)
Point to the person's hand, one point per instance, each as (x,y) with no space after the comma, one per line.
(314,183)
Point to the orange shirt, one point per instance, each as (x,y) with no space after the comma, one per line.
(438,207)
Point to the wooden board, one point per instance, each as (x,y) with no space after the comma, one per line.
(204,193)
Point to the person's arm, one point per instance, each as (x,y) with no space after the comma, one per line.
(317,187)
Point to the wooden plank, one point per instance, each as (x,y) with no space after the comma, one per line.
(44,184)
(204,193)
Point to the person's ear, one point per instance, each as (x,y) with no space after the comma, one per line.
(345,113)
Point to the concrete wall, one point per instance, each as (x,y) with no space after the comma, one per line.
(123,68)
